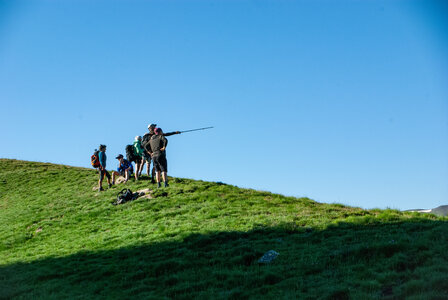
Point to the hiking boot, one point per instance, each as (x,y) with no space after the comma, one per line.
(153,181)
(158,184)
(110,185)
(100,189)
(166,184)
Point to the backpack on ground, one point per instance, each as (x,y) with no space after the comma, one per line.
(124,196)
(95,159)
(130,153)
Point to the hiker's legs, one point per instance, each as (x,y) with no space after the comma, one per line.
(100,181)
(126,175)
(114,173)
(117,175)
(142,166)
(160,166)
(164,169)
(163,166)
(153,172)
(137,167)
(148,167)
(108,177)
(142,163)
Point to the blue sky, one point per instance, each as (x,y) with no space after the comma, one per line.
(339,101)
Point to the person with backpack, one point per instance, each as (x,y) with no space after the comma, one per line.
(157,145)
(138,151)
(124,169)
(102,167)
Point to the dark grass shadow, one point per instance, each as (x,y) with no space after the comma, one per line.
(394,260)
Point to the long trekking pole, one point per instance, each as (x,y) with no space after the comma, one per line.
(197,129)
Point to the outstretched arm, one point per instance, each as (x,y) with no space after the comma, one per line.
(171,133)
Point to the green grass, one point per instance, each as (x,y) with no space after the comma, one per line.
(196,239)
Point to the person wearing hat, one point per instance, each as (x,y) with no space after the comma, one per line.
(102,168)
(124,169)
(146,156)
(158,144)
(146,147)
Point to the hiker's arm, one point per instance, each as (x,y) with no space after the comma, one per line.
(165,143)
(146,148)
(101,158)
(171,133)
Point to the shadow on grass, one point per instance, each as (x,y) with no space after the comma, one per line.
(394,260)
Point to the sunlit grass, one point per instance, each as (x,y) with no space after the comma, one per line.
(196,239)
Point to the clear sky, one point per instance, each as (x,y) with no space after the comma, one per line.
(339,101)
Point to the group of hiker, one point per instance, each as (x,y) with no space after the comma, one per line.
(149,148)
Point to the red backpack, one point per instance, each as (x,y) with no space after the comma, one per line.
(95,159)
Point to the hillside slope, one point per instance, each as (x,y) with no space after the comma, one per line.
(198,239)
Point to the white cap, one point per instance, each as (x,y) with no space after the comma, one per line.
(138,138)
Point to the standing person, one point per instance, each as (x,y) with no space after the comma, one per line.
(158,145)
(102,168)
(146,155)
(138,151)
(145,143)
(124,169)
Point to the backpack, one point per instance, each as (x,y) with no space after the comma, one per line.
(95,159)
(124,196)
(130,153)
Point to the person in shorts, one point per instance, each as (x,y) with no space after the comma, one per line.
(102,168)
(157,147)
(138,151)
(125,169)
(146,153)
(145,144)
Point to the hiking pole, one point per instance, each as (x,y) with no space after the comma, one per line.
(196,129)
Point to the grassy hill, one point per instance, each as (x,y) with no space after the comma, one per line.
(195,239)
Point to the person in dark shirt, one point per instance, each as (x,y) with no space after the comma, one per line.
(145,144)
(124,169)
(146,156)
(157,147)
